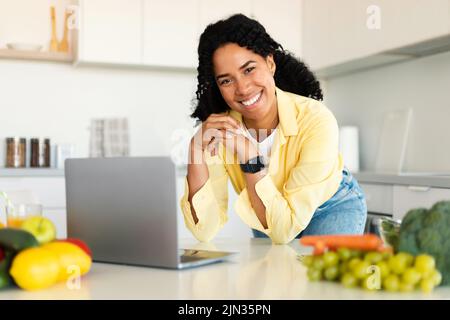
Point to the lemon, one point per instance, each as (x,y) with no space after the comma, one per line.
(35,268)
(71,259)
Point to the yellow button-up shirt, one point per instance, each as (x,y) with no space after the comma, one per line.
(305,171)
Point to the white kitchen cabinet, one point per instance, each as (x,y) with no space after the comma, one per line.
(379,197)
(324,31)
(403,22)
(411,197)
(166,33)
(170,32)
(110,31)
(316,33)
(283,22)
(213,10)
(336,32)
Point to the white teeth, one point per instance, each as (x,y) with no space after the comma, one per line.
(252,100)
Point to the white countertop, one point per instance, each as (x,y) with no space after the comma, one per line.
(260,271)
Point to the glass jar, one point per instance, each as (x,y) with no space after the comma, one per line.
(40,152)
(16,152)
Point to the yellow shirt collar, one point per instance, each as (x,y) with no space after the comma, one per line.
(287,113)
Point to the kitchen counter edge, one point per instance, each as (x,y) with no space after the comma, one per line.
(409,179)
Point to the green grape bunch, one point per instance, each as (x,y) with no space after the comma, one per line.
(374,270)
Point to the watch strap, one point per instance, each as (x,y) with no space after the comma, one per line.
(253,165)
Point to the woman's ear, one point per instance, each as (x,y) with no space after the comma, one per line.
(271,64)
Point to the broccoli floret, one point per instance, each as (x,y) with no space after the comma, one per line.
(443,265)
(429,241)
(446,233)
(442,206)
(428,231)
(407,243)
(413,220)
(433,218)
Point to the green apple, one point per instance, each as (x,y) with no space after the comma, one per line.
(42,228)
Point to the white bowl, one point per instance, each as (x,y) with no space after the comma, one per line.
(24,46)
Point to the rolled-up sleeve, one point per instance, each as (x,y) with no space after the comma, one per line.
(314,179)
(210,202)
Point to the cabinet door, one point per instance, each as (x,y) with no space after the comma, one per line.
(378,197)
(341,31)
(316,33)
(213,10)
(110,31)
(282,20)
(171,32)
(402,22)
(411,197)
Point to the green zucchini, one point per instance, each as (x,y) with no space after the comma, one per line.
(17,239)
(5,264)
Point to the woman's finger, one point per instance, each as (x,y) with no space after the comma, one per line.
(217,134)
(222,125)
(213,147)
(233,122)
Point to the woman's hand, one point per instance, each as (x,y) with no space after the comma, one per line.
(242,146)
(214,130)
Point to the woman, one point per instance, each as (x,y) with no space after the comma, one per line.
(264,128)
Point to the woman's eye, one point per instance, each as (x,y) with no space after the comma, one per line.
(248,70)
(225,82)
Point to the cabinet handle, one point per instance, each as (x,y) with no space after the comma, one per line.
(418,188)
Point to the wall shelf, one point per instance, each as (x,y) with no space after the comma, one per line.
(30,172)
(36,55)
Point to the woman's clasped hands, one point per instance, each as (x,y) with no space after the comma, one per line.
(222,128)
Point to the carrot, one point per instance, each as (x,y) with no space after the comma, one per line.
(319,248)
(385,249)
(360,242)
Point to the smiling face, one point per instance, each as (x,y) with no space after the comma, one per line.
(245,80)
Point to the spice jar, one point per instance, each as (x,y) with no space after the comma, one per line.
(40,152)
(16,152)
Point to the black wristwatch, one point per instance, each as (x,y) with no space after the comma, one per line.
(253,165)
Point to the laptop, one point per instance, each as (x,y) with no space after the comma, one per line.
(126,211)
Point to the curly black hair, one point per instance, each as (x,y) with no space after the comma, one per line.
(291,74)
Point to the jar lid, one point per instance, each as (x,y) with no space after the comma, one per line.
(39,139)
(18,139)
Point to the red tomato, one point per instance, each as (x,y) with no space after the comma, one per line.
(79,243)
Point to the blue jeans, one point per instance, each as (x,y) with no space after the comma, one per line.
(344,213)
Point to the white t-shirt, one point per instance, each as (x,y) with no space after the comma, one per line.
(265,146)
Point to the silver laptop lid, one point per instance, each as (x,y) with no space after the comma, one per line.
(124,208)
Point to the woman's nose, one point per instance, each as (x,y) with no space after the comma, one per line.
(242,87)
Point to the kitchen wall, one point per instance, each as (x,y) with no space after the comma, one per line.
(363,98)
(58,101)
